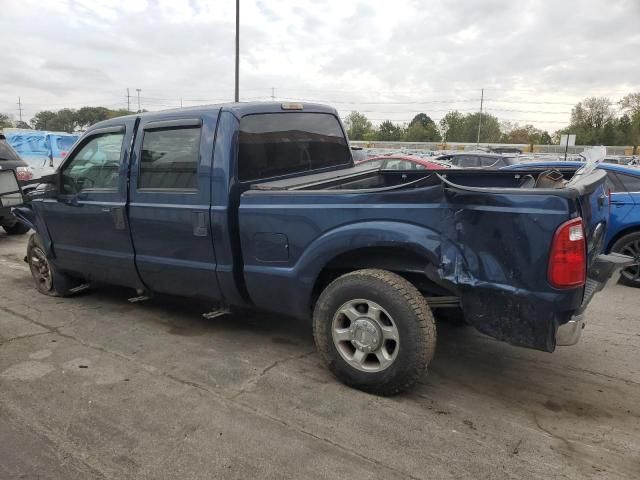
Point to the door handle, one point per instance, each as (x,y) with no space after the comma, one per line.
(70,200)
(200,224)
(117,214)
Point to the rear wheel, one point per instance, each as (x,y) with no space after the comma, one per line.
(629,245)
(375,331)
(16,229)
(47,278)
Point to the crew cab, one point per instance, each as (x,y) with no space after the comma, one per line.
(259,205)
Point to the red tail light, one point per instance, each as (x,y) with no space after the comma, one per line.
(568,257)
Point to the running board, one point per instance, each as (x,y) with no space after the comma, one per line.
(139,299)
(216,313)
(443,302)
(80,288)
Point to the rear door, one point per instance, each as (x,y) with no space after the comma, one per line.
(170,202)
(87,221)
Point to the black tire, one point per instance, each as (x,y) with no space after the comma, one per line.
(629,245)
(17,228)
(48,280)
(404,309)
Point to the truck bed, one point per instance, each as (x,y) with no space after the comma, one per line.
(478,235)
(358,179)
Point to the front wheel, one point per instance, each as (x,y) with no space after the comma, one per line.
(375,331)
(48,280)
(629,245)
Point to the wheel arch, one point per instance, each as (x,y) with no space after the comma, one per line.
(409,250)
(631,229)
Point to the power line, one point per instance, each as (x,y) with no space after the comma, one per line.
(538,102)
(357,102)
(527,111)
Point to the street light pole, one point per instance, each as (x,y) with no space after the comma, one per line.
(139,90)
(480,117)
(237,96)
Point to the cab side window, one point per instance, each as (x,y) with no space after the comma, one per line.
(631,183)
(169,159)
(467,161)
(95,165)
(491,162)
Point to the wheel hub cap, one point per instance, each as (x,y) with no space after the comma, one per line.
(365,335)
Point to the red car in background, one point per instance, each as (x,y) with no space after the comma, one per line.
(402,162)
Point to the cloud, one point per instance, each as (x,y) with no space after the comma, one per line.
(531,56)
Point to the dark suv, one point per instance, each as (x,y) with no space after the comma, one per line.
(9,160)
(478,160)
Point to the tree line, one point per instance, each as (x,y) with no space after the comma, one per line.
(595,121)
(66,120)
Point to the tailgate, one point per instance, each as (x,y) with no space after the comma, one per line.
(593,206)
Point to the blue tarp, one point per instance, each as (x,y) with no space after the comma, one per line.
(40,148)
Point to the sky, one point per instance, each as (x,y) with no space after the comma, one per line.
(388,59)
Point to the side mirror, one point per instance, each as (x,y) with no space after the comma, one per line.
(10,192)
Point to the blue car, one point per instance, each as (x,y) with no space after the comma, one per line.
(623,233)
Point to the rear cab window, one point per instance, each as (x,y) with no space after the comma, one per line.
(280,144)
(7,153)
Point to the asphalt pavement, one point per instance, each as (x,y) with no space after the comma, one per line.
(94,386)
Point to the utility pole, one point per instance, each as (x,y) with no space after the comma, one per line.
(273,94)
(128,101)
(20,108)
(180,102)
(139,90)
(237,96)
(480,118)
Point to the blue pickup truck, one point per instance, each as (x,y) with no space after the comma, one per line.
(259,205)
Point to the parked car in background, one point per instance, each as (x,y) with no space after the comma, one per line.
(505,150)
(623,230)
(359,154)
(403,162)
(478,160)
(10,160)
(42,150)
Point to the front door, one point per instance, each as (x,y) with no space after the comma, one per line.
(170,202)
(87,221)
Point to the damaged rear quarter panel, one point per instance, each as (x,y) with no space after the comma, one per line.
(495,252)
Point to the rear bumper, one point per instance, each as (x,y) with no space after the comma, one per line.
(604,267)
(540,320)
